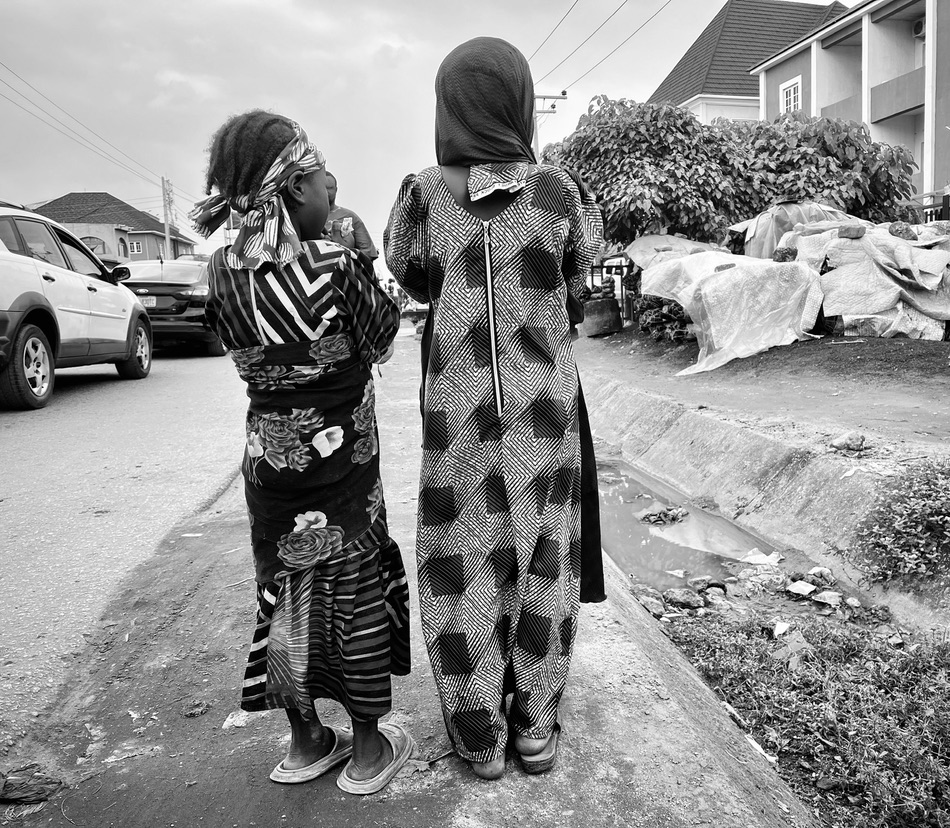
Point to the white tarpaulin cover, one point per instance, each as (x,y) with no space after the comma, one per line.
(764,232)
(653,248)
(751,306)
(898,286)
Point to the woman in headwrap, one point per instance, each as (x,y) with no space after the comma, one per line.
(304,320)
(499,247)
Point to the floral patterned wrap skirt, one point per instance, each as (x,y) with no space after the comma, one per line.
(333,602)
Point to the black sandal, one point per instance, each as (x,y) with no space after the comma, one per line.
(543,761)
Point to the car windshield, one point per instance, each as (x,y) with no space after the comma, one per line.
(180,274)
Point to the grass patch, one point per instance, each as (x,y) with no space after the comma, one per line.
(907,537)
(861,728)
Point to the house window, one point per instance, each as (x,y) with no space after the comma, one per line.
(123,249)
(135,247)
(95,244)
(790,95)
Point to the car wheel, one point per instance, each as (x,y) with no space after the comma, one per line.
(216,348)
(27,382)
(139,363)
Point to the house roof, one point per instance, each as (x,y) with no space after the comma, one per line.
(103,208)
(742,34)
(840,21)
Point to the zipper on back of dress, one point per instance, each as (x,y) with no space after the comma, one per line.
(492,330)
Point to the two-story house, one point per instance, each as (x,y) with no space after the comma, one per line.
(885,63)
(113,229)
(712,78)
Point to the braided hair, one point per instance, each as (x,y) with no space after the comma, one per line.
(242,150)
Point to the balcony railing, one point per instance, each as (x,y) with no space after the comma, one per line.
(848,109)
(898,95)
(931,206)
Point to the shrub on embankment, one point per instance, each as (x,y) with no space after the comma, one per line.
(906,539)
(861,728)
(656,168)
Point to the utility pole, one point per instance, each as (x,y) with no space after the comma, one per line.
(168,203)
(541,108)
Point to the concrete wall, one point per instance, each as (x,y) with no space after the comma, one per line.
(736,109)
(798,64)
(153,244)
(838,76)
(109,233)
(892,49)
(897,130)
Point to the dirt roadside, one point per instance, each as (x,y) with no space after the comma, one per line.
(897,389)
(148,732)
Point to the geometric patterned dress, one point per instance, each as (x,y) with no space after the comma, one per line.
(332,597)
(498,534)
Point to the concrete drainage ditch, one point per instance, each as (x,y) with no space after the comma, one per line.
(682,557)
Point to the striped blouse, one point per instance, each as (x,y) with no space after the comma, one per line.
(327,291)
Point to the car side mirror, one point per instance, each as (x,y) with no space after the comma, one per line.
(120,273)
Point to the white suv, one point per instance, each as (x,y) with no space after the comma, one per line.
(61,307)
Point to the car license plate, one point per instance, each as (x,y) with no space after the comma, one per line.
(149,301)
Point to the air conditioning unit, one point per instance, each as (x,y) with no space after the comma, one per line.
(920,28)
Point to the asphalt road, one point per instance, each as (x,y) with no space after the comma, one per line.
(88,488)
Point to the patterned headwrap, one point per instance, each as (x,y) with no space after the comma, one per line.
(267,234)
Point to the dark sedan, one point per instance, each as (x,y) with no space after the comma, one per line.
(174,295)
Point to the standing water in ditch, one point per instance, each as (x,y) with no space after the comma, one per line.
(664,555)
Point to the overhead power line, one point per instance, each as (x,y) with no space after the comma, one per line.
(623,43)
(101,152)
(554,29)
(78,140)
(624,3)
(73,117)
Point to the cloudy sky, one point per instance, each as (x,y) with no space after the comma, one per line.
(154,80)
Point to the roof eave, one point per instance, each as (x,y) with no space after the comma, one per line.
(799,45)
(706,95)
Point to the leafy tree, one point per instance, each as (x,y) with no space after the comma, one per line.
(657,168)
(652,168)
(828,160)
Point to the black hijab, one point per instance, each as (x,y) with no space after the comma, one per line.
(484,105)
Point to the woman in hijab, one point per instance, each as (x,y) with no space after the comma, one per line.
(499,247)
(305,319)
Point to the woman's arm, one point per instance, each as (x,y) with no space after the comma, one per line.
(405,241)
(373,315)
(586,234)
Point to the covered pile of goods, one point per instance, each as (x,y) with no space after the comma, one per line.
(663,318)
(796,271)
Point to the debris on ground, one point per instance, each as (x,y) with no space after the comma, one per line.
(802,588)
(666,516)
(757,558)
(195,709)
(850,441)
(28,785)
(684,598)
